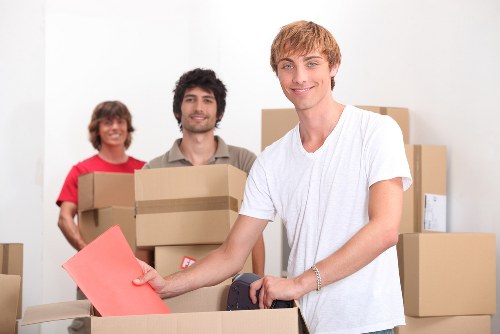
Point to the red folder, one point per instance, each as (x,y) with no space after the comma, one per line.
(104,270)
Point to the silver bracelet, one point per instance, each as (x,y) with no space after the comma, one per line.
(318,277)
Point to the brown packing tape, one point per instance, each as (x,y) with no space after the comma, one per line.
(187,204)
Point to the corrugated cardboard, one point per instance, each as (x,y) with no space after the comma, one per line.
(189,182)
(277,122)
(187,205)
(184,228)
(92,223)
(400,115)
(446,274)
(170,259)
(10,289)
(428,169)
(477,324)
(99,190)
(11,263)
(206,316)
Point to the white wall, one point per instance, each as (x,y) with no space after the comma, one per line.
(22,136)
(439,59)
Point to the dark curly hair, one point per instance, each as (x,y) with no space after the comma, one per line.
(204,79)
(109,110)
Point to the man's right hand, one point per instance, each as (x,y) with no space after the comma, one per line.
(152,277)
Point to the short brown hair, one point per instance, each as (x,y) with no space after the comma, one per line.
(304,37)
(109,110)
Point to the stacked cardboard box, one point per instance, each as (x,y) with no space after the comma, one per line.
(448,282)
(11,263)
(200,311)
(104,200)
(186,212)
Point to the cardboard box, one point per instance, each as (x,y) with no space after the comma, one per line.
(184,228)
(99,190)
(428,169)
(191,182)
(200,311)
(170,259)
(92,223)
(10,291)
(11,263)
(445,274)
(277,122)
(187,205)
(400,115)
(477,324)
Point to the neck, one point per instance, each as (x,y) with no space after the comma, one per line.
(198,148)
(112,154)
(317,124)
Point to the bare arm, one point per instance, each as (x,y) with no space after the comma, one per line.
(216,267)
(381,232)
(68,226)
(259,256)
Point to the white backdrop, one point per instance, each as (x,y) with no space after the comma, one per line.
(59,58)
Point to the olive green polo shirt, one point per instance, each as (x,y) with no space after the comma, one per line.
(238,157)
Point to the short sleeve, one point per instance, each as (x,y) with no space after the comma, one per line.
(257,201)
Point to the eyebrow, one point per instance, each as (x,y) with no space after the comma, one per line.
(203,96)
(306,58)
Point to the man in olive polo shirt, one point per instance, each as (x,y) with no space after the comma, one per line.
(199,105)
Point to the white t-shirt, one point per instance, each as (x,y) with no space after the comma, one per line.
(322,199)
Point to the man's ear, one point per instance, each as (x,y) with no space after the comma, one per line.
(334,70)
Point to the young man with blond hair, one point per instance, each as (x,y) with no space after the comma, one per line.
(336,181)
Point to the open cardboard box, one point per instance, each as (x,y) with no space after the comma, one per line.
(201,311)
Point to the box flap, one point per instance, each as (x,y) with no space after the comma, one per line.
(57,311)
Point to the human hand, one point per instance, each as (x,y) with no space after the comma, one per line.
(273,288)
(152,277)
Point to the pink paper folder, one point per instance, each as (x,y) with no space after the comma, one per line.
(104,270)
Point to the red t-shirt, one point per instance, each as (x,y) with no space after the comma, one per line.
(69,191)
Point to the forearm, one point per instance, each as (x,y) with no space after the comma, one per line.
(259,257)
(70,231)
(213,269)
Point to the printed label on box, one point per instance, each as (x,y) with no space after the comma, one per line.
(187,261)
(435,212)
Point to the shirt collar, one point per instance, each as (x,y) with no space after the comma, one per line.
(176,154)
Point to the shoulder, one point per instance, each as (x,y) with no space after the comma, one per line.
(158,161)
(87,165)
(136,162)
(240,151)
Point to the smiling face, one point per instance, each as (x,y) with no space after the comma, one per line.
(306,79)
(198,111)
(113,132)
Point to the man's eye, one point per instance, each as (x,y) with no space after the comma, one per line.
(312,64)
(287,66)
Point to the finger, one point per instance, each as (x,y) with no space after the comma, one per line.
(149,275)
(253,290)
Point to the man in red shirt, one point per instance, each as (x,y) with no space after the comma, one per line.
(110,132)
